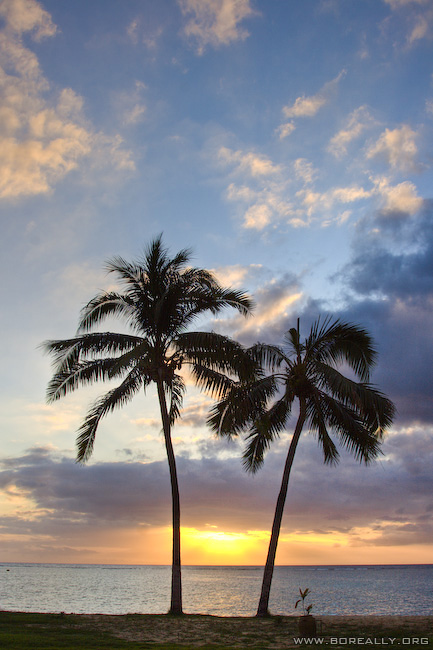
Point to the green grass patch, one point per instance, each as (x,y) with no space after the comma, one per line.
(53,632)
(29,631)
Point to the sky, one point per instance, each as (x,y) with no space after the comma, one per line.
(289,145)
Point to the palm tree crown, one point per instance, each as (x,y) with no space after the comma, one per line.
(161,297)
(307,373)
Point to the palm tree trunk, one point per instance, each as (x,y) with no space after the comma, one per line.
(263,608)
(176,578)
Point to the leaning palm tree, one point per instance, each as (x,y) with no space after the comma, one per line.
(307,373)
(161,296)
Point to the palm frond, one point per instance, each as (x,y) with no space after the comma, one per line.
(105,305)
(363,443)
(81,374)
(258,442)
(337,342)
(317,422)
(115,398)
(242,405)
(176,391)
(66,353)
(211,381)
(217,352)
(376,410)
(268,356)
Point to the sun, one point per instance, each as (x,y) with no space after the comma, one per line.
(221,547)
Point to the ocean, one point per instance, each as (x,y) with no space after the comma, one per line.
(218,590)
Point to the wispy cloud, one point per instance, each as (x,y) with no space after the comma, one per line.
(215,22)
(130,105)
(358,121)
(255,165)
(308,106)
(419,17)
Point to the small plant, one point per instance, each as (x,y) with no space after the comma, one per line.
(306,608)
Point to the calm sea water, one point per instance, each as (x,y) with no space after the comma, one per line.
(222,591)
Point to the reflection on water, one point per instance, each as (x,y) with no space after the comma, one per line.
(222,591)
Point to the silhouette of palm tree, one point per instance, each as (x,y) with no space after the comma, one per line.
(162,296)
(306,373)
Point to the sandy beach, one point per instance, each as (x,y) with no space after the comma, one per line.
(274,632)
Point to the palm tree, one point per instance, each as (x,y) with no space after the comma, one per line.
(307,373)
(161,296)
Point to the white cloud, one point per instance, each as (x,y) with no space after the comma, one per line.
(309,106)
(215,22)
(285,129)
(397,147)
(305,106)
(242,193)
(304,170)
(357,122)
(253,164)
(258,216)
(235,275)
(316,202)
(398,198)
(42,138)
(27,16)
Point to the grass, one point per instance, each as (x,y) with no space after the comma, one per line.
(28,631)
(53,632)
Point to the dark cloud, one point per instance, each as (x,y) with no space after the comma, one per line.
(389,495)
(391,282)
(393,257)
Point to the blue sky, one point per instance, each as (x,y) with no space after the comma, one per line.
(289,145)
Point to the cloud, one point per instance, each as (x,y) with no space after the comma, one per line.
(235,275)
(395,4)
(276,299)
(27,16)
(304,170)
(255,165)
(194,414)
(358,121)
(309,106)
(397,147)
(258,216)
(215,22)
(140,31)
(316,203)
(390,279)
(43,136)
(263,194)
(72,503)
(130,106)
(419,18)
(397,200)
(285,129)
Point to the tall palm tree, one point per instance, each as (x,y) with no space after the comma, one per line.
(307,373)
(161,296)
